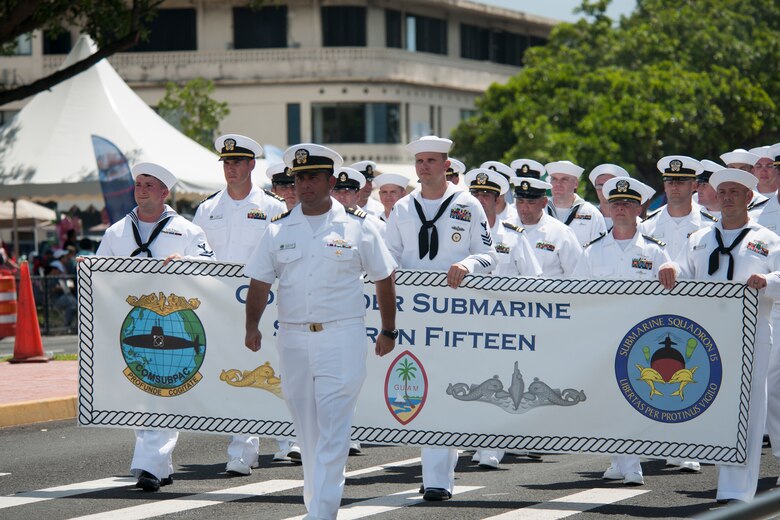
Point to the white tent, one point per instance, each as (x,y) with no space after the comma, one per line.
(46,150)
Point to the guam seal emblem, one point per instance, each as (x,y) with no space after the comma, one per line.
(163,344)
(406,387)
(668,368)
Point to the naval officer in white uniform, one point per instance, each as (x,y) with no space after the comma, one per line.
(319,251)
(154,230)
(234,219)
(439,227)
(580,215)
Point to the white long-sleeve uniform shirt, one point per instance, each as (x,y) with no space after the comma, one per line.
(179,236)
(604,258)
(587,222)
(464,234)
(515,255)
(234,227)
(320,271)
(555,245)
(673,231)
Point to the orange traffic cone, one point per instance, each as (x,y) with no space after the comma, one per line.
(28,347)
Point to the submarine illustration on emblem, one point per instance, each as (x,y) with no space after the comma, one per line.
(158,340)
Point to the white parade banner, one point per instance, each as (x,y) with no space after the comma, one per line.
(550,365)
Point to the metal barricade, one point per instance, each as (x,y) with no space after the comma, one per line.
(55,299)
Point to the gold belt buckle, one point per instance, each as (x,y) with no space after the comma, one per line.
(315,327)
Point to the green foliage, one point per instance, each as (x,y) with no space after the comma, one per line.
(191,109)
(674,77)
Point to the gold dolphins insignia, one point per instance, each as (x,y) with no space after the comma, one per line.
(651,377)
(263,377)
(682,376)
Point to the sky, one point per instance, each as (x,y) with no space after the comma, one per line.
(559,9)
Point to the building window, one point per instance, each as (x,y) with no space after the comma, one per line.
(474,42)
(171,30)
(261,28)
(509,48)
(466,113)
(57,42)
(23,45)
(343,26)
(370,123)
(393,37)
(425,34)
(293,123)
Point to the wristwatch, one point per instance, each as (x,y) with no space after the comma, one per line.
(392,334)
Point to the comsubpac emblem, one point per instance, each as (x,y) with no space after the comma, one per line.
(406,387)
(668,368)
(163,343)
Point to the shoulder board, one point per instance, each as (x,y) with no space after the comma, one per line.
(588,244)
(656,241)
(511,226)
(709,217)
(209,197)
(273,195)
(280,216)
(651,215)
(357,212)
(756,205)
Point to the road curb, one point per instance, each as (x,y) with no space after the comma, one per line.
(43,410)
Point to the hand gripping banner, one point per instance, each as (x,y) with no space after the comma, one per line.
(549,365)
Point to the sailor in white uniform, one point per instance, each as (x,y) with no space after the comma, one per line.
(705,194)
(365,201)
(349,182)
(282,183)
(455,170)
(154,230)
(742,159)
(391,188)
(234,219)
(442,228)
(504,210)
(554,243)
(737,249)
(597,177)
(319,251)
(580,215)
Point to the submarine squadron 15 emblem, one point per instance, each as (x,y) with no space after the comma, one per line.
(163,343)
(668,368)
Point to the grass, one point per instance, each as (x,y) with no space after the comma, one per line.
(60,356)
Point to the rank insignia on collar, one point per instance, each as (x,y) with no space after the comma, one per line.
(301,156)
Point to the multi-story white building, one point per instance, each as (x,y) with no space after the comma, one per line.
(362,76)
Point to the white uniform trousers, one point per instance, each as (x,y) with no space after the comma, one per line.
(740,482)
(245,447)
(626,464)
(438,467)
(322,373)
(773,385)
(498,454)
(154,452)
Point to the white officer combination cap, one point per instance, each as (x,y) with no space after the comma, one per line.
(739,156)
(348,179)
(763,152)
(709,167)
(391,178)
(499,167)
(456,167)
(564,167)
(742,177)
(312,158)
(626,188)
(485,179)
(679,167)
(235,146)
(606,169)
(367,168)
(430,143)
(529,187)
(154,170)
(527,168)
(279,173)
(774,150)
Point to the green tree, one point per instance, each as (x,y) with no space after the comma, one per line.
(191,109)
(406,371)
(674,77)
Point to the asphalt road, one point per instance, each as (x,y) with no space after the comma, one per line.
(89,469)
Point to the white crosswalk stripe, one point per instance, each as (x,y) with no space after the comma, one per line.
(570,505)
(65,491)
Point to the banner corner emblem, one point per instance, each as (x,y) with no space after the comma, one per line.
(406,387)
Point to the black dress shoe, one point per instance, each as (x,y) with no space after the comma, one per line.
(422,489)
(167,481)
(436,494)
(149,482)
(725,501)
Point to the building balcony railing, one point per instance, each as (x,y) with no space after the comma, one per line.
(304,65)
